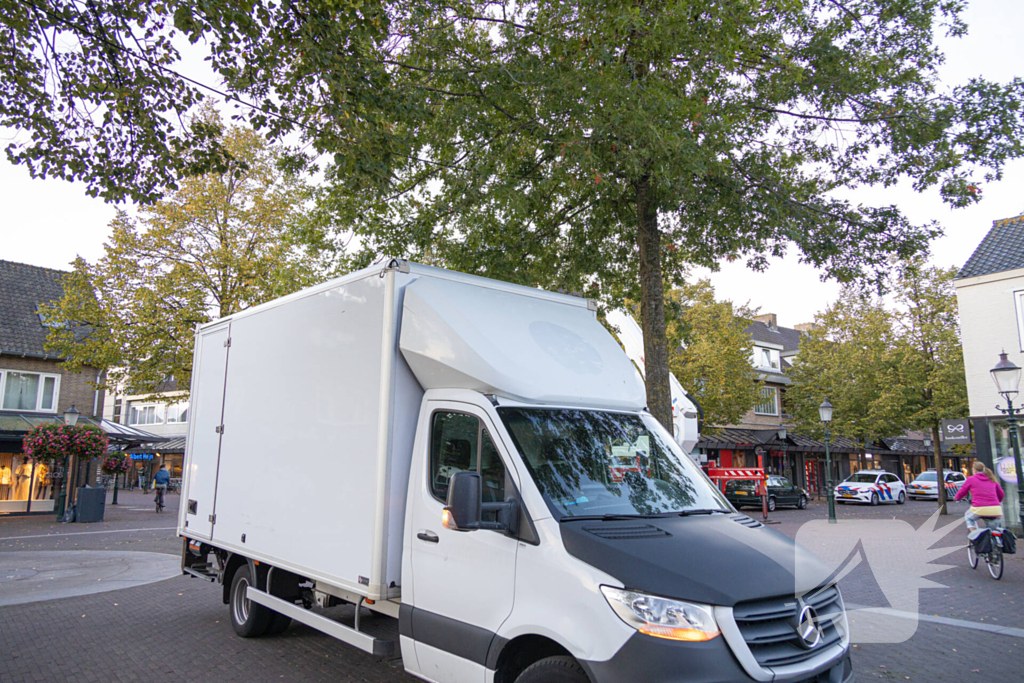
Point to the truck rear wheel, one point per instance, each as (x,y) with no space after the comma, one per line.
(278,624)
(249,619)
(554,670)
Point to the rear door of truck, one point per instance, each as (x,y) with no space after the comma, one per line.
(206,429)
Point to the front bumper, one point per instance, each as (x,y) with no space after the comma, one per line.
(656,660)
(854,495)
(922,493)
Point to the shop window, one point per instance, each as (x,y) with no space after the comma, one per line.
(20,480)
(32,391)
(769,403)
(460,443)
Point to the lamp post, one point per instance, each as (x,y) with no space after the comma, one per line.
(1006,375)
(825,413)
(70,419)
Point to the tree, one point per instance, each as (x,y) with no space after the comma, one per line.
(601,146)
(97,85)
(850,358)
(710,352)
(886,370)
(930,354)
(220,244)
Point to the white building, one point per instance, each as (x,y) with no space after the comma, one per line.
(990,294)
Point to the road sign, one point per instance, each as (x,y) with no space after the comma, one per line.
(956,431)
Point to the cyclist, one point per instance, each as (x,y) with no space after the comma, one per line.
(986,496)
(160,482)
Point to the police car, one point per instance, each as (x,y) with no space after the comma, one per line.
(926,486)
(873,487)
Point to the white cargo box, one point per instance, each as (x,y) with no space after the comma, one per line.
(304,409)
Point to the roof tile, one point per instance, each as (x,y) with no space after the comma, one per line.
(1001,250)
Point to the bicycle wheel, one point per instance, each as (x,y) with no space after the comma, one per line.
(972,557)
(995,563)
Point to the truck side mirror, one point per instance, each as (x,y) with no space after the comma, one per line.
(463,510)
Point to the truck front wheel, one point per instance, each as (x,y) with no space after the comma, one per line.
(554,670)
(249,619)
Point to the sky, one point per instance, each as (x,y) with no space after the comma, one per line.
(49,222)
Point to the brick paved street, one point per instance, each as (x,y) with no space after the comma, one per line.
(178,629)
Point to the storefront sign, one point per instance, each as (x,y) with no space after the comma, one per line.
(142,456)
(956,431)
(1006,470)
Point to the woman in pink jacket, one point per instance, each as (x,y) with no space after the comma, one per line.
(986,496)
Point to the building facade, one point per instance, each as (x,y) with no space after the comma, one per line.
(164,414)
(34,387)
(990,295)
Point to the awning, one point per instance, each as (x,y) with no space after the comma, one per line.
(174,445)
(14,427)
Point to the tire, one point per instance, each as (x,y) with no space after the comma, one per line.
(802,503)
(771,503)
(972,557)
(279,623)
(554,670)
(901,499)
(995,563)
(249,619)
(874,499)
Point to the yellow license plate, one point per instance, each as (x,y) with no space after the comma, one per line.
(742,493)
(847,495)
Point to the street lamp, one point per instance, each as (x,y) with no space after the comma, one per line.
(1006,375)
(70,419)
(825,413)
(71,416)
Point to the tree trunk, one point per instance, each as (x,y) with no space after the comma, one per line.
(939,476)
(652,307)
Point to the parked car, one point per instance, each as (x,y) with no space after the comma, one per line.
(925,485)
(743,492)
(873,487)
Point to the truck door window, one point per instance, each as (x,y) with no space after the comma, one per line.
(460,443)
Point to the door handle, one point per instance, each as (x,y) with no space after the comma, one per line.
(428,536)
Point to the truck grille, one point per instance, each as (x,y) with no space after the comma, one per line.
(769,626)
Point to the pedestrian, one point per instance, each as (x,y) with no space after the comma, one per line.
(161,480)
(986,497)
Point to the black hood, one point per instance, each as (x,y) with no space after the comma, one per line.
(718,559)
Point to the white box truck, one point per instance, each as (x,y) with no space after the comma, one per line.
(474,460)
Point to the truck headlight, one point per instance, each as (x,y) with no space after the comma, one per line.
(662,617)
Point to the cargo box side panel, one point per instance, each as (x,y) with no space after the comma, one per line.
(298,460)
(207,404)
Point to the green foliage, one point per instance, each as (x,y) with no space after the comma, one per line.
(222,243)
(884,370)
(710,352)
(96,86)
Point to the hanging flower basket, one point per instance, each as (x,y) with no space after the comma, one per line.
(116,463)
(51,443)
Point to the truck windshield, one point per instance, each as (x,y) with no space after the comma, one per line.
(592,463)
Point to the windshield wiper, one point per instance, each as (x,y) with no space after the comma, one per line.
(687,513)
(570,518)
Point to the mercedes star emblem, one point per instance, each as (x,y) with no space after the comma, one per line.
(807,627)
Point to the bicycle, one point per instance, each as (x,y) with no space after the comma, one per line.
(993,558)
(160,498)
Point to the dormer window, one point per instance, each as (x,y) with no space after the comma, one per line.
(766,358)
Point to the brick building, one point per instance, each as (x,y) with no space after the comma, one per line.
(36,389)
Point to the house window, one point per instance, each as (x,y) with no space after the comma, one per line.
(769,403)
(766,358)
(151,414)
(177,413)
(1018,301)
(32,391)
